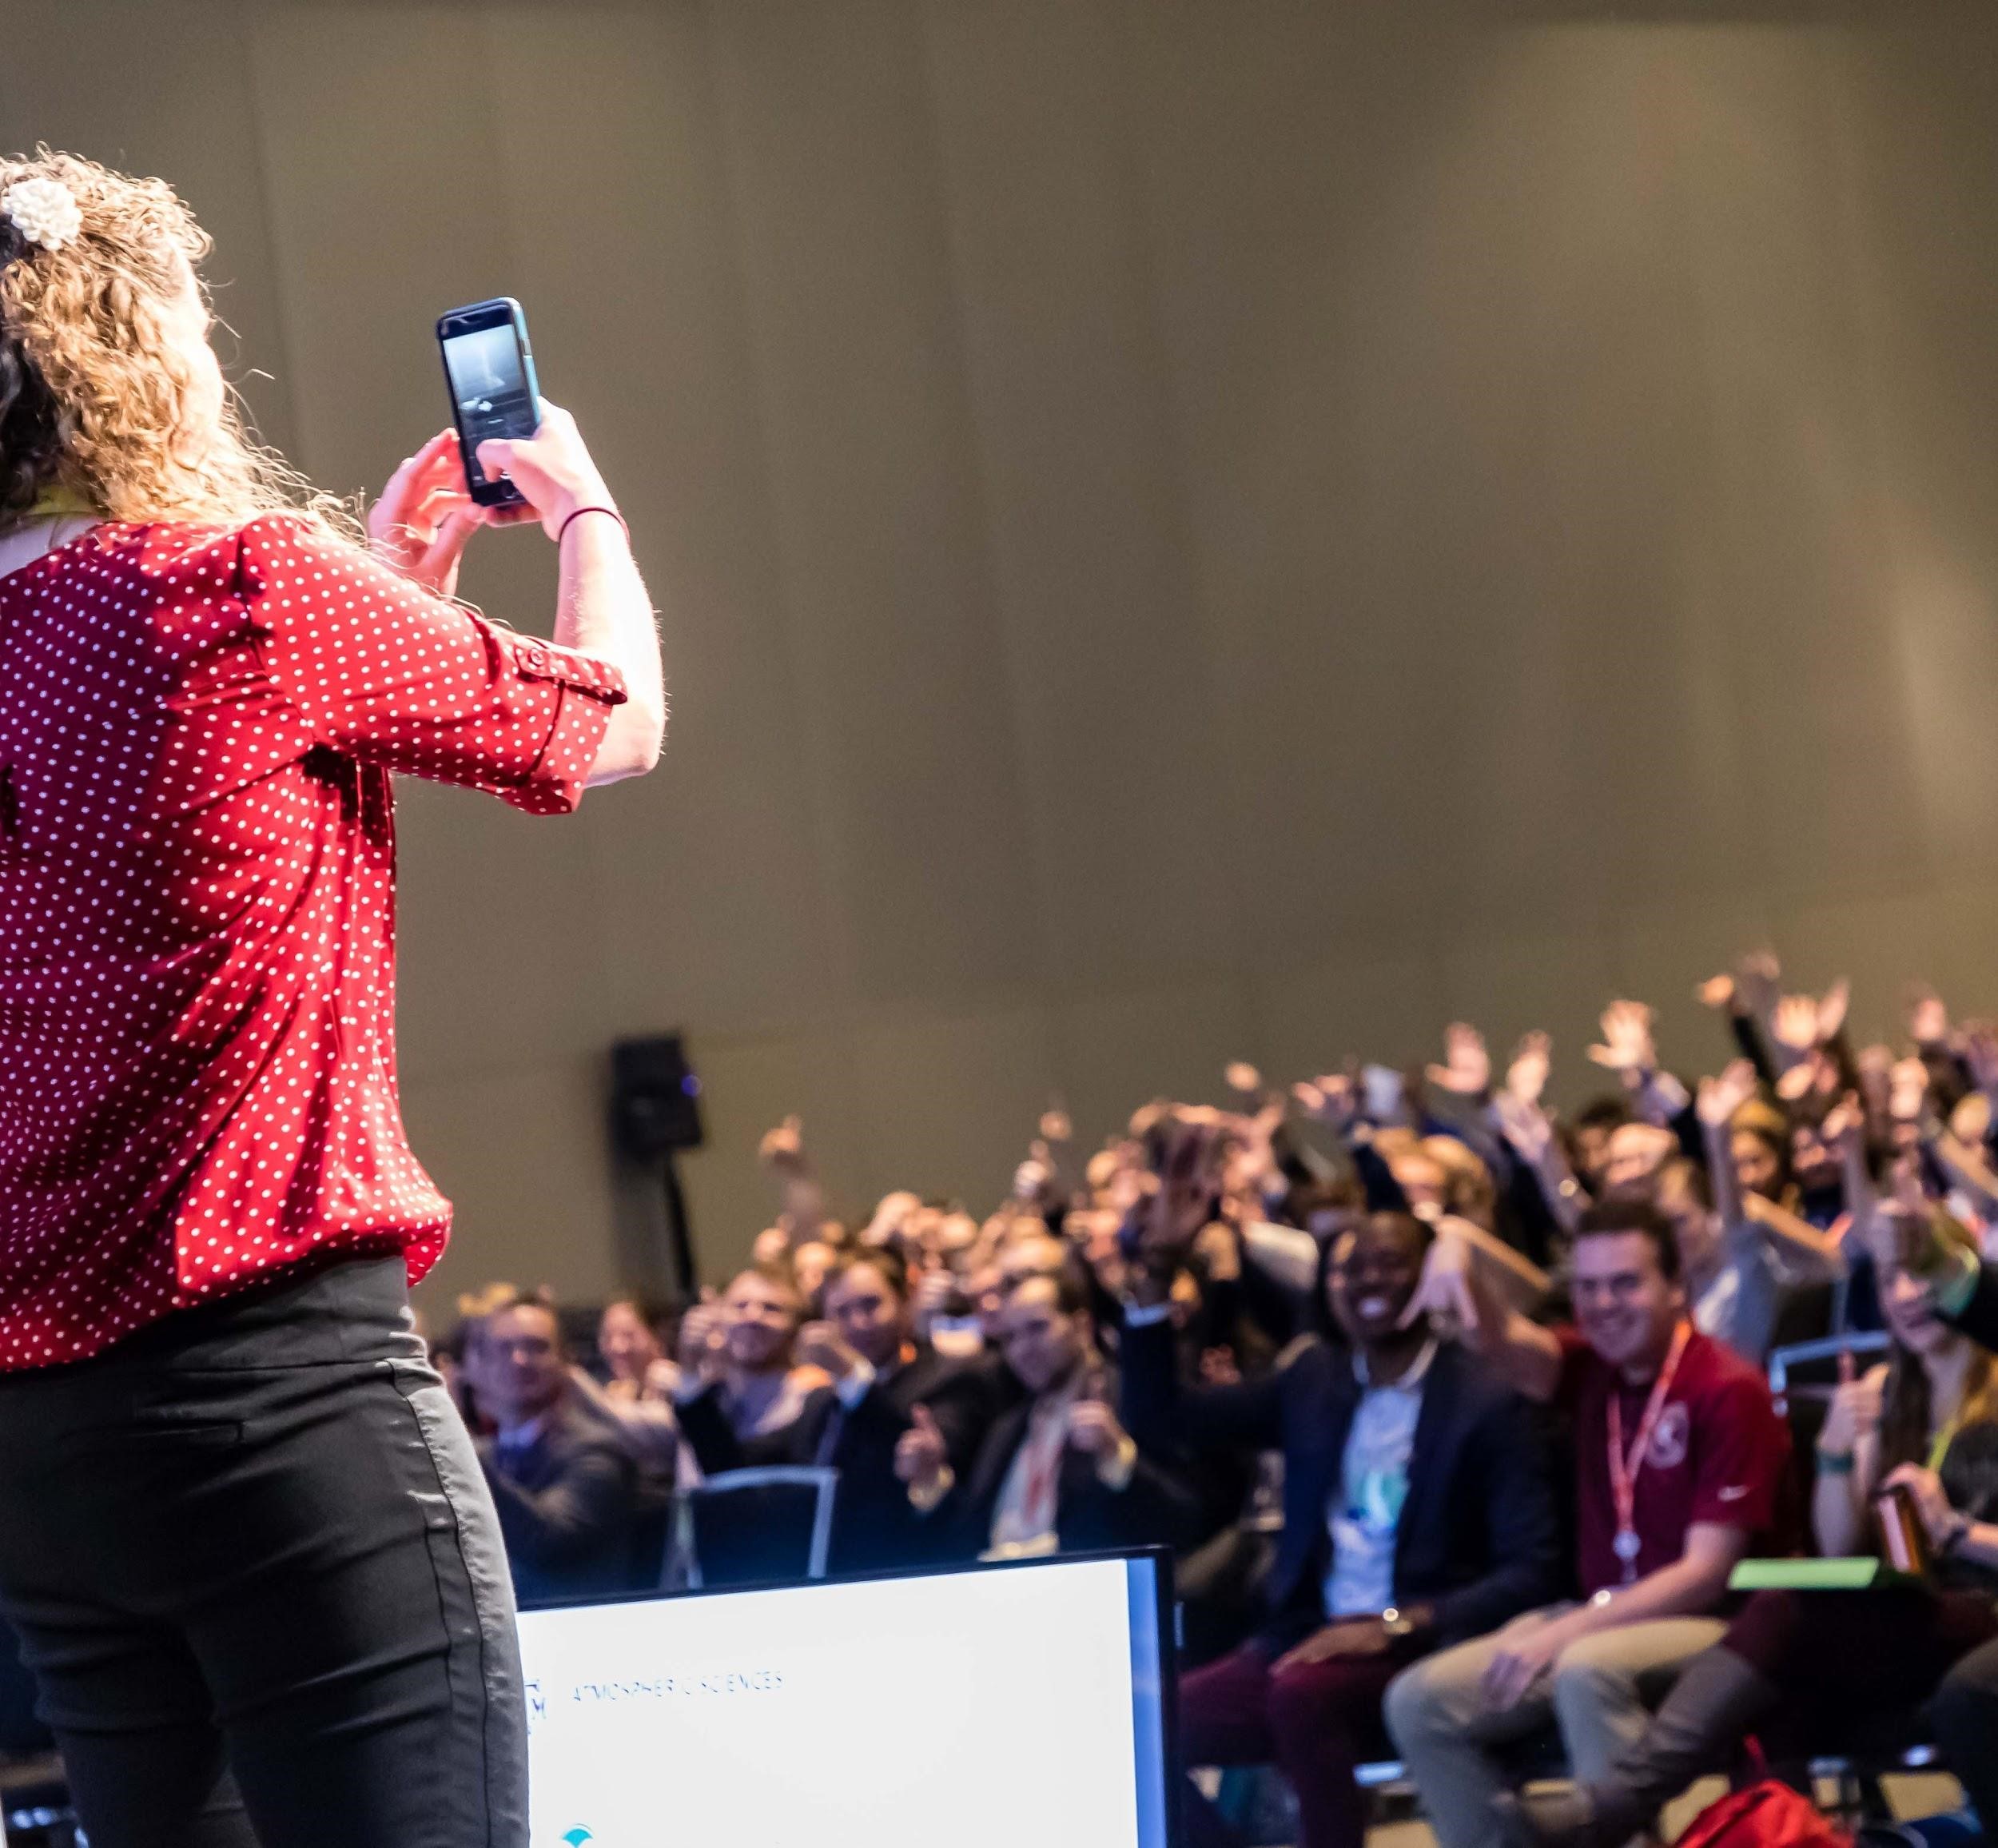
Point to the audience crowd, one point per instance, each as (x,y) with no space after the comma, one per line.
(1456,1412)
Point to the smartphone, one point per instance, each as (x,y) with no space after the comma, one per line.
(489,369)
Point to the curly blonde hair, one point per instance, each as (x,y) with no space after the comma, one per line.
(94,396)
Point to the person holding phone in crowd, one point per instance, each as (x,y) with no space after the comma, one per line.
(243,1533)
(1679,1460)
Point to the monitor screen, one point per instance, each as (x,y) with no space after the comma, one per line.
(987,1708)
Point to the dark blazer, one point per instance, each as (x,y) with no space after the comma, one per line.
(567,1505)
(1479,1537)
(874,1527)
(1156,1508)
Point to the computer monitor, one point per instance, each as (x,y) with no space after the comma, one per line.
(995,1706)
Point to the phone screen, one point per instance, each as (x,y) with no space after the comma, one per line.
(491,373)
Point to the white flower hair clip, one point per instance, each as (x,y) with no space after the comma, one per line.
(44,211)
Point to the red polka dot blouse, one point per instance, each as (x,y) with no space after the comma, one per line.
(197,1065)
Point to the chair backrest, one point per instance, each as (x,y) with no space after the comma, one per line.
(1812,1367)
(746,1527)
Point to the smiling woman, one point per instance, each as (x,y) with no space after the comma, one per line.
(210,1214)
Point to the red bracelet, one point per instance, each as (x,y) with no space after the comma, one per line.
(563,531)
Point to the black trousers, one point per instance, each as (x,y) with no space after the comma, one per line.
(256,1571)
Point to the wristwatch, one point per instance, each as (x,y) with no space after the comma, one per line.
(1398,1624)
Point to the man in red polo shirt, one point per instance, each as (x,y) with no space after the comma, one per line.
(1679,1459)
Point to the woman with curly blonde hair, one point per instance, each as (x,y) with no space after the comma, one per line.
(244,1535)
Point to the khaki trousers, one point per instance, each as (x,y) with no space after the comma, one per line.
(1600,1695)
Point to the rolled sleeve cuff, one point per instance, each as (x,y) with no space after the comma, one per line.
(585,690)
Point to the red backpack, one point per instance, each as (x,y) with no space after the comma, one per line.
(1768,1814)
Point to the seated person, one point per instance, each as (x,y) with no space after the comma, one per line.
(740,1350)
(1928,1420)
(637,1399)
(1680,1457)
(1057,1470)
(1390,1547)
(564,1483)
(880,1375)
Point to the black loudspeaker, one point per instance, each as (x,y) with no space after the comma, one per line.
(655,1098)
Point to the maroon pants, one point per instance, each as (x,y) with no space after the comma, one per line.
(1317,1723)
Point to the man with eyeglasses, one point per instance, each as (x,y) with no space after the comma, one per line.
(1679,1457)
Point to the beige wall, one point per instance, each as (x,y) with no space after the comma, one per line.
(1185,529)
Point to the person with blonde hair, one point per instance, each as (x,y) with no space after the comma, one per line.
(243,1533)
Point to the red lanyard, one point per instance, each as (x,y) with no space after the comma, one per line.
(1623,1470)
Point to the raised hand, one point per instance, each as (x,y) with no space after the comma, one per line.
(1525,1125)
(920,1454)
(821,1345)
(1055,1126)
(1445,1293)
(704,1336)
(1532,1060)
(1802,1023)
(1034,1178)
(1466,1069)
(1093,1430)
(1243,1078)
(1333,1099)
(1927,1019)
(782,1150)
(1757,979)
(552,468)
(1844,1124)
(1627,1045)
(1720,1097)
(1185,1192)
(426,516)
(1854,1413)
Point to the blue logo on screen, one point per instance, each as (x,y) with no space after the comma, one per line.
(576,1837)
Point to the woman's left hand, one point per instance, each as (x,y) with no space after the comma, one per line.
(426,514)
(1938,1517)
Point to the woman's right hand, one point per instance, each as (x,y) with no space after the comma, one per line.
(1855,1413)
(552,468)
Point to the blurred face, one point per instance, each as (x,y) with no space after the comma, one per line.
(1813,1165)
(1591,1152)
(810,1263)
(1624,1305)
(1906,1300)
(1635,1152)
(1696,1229)
(627,1345)
(1373,1274)
(1037,1255)
(1042,1345)
(762,1317)
(520,1369)
(1756,1169)
(866,1310)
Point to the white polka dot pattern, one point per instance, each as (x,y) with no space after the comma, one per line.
(197,1065)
